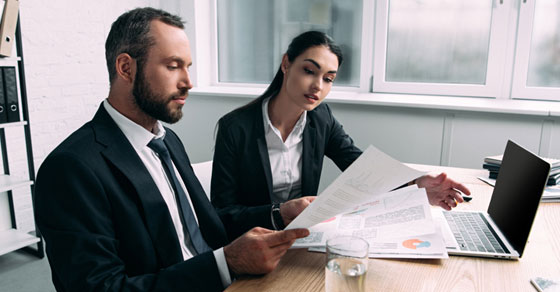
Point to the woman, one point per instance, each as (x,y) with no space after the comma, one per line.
(269,153)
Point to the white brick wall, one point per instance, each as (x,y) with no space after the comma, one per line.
(66,76)
(63,46)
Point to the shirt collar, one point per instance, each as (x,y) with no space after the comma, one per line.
(136,134)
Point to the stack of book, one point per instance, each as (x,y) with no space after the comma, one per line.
(552,191)
(492,163)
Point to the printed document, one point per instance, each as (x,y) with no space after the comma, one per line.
(396,225)
(372,174)
(428,246)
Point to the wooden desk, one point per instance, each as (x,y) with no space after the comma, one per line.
(300,270)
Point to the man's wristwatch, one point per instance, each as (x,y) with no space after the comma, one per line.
(277,220)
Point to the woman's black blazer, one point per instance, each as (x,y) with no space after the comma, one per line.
(241,185)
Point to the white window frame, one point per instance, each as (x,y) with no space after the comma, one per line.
(511,27)
(206,36)
(495,66)
(520,90)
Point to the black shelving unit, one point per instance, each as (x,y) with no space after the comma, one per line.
(14,239)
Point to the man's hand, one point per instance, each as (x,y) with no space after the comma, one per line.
(442,191)
(291,209)
(259,250)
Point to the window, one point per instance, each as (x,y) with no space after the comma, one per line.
(537,67)
(478,48)
(254,34)
(438,41)
(439,47)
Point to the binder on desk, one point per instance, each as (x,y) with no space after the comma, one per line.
(3,105)
(10,93)
(8,27)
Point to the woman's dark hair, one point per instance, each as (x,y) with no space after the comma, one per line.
(299,45)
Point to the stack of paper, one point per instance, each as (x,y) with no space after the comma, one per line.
(398,224)
(359,202)
(550,194)
(492,163)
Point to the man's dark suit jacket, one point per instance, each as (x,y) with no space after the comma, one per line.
(241,185)
(105,224)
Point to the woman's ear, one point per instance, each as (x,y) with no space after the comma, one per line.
(126,67)
(285,64)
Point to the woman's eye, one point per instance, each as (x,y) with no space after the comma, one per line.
(307,71)
(172,67)
(329,80)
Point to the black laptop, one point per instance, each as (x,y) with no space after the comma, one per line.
(503,231)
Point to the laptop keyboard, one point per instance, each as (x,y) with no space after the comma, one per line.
(472,232)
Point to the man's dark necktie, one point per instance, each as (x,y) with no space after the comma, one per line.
(187,213)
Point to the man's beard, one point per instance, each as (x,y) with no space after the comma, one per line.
(155,105)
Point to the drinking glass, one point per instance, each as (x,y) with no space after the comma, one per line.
(347,262)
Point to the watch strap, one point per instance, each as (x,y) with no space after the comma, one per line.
(277,220)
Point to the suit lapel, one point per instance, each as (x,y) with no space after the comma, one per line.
(263,153)
(122,155)
(258,130)
(308,159)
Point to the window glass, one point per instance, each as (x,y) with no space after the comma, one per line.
(544,58)
(254,34)
(438,41)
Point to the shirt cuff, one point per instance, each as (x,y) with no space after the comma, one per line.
(222,267)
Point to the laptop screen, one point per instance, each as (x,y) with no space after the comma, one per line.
(517,193)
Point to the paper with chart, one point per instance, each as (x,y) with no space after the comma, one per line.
(373,173)
(427,246)
(401,213)
(396,225)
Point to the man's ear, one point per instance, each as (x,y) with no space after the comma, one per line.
(126,67)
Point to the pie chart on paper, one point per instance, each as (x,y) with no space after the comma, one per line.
(415,243)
